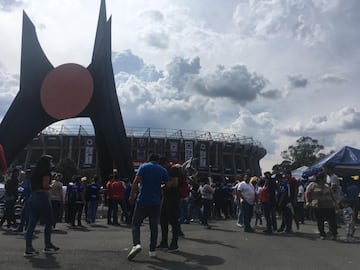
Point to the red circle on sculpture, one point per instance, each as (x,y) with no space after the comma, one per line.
(66,91)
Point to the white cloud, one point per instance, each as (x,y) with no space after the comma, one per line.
(292,19)
(235,83)
(261,126)
(129,63)
(333,78)
(340,121)
(9,5)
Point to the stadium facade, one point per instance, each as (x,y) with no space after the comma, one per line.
(217,154)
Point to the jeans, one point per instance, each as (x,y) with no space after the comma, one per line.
(40,207)
(184,212)
(24,217)
(270,219)
(142,211)
(206,211)
(170,215)
(300,211)
(248,212)
(110,210)
(329,215)
(92,210)
(240,213)
(75,212)
(56,211)
(287,219)
(194,209)
(115,209)
(9,213)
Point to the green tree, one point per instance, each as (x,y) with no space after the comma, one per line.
(68,169)
(282,167)
(304,153)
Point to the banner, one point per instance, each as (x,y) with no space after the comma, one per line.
(202,155)
(173,149)
(88,153)
(189,149)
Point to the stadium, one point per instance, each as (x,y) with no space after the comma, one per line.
(218,155)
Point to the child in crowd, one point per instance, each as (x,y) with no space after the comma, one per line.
(348,217)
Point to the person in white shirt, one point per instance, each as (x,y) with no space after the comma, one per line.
(237,202)
(300,203)
(207,194)
(246,192)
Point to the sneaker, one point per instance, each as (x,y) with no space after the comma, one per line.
(17,230)
(162,246)
(322,237)
(51,249)
(173,248)
(133,252)
(31,253)
(152,254)
(239,225)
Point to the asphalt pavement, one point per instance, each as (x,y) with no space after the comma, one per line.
(224,246)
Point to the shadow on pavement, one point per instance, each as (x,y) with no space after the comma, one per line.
(209,242)
(57,231)
(49,262)
(193,262)
(98,226)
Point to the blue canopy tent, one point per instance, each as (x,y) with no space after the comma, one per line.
(346,162)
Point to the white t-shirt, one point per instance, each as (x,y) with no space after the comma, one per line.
(247,191)
(300,196)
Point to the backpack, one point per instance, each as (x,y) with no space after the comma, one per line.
(71,193)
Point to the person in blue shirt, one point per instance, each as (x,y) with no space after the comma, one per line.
(146,192)
(25,195)
(78,200)
(92,195)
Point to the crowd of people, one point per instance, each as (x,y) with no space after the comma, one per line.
(168,195)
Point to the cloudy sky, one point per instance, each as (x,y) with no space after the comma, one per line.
(274,70)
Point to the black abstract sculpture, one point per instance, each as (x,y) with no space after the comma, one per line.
(49,94)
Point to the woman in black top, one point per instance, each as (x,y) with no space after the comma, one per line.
(40,205)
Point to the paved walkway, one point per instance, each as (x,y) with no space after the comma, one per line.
(225,246)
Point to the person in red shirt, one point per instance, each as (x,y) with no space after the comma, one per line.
(109,198)
(118,196)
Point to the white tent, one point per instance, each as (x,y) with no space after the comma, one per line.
(297,173)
